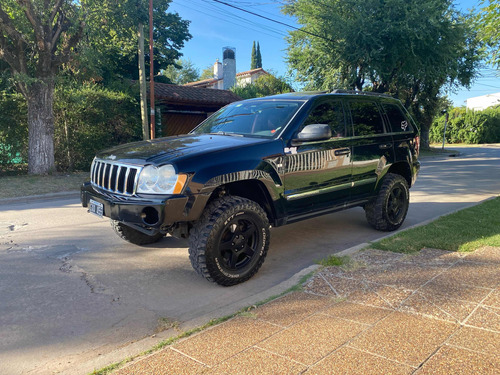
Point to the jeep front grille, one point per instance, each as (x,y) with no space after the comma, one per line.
(114,177)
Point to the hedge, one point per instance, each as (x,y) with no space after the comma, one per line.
(468,126)
(87,119)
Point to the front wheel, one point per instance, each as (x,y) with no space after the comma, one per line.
(388,210)
(229,242)
(134,236)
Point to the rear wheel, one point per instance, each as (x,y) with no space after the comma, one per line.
(134,236)
(230,241)
(388,210)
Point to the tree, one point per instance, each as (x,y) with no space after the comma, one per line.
(384,46)
(488,26)
(181,72)
(253,59)
(36,39)
(258,57)
(265,85)
(207,73)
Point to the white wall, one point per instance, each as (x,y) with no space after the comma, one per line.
(479,103)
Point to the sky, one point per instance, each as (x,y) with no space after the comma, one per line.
(215,25)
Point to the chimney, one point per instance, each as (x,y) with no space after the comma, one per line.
(229,67)
(217,69)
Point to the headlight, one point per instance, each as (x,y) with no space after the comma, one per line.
(163,180)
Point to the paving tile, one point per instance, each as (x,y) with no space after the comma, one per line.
(477,339)
(451,360)
(380,296)
(437,306)
(485,317)
(435,257)
(477,274)
(405,338)
(225,340)
(312,339)
(485,254)
(162,363)
(343,287)
(291,308)
(407,276)
(442,285)
(350,361)
(493,300)
(255,361)
(318,285)
(357,312)
(372,256)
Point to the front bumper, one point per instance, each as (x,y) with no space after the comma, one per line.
(150,214)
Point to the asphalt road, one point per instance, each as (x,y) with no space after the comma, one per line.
(74,296)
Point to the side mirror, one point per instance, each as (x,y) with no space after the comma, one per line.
(314,132)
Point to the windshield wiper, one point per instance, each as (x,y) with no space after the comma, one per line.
(220,132)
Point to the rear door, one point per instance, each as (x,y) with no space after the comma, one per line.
(372,146)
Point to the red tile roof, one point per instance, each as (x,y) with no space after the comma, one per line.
(252,71)
(184,94)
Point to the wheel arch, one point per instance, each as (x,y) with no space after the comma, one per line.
(403,169)
(254,190)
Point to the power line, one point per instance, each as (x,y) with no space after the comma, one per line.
(273,20)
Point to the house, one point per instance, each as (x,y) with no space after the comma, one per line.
(479,103)
(225,76)
(182,108)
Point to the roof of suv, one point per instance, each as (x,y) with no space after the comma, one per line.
(305,95)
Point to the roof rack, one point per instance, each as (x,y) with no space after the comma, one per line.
(364,93)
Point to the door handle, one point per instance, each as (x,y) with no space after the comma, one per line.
(342,151)
(384,147)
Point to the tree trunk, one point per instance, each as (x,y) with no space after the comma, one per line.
(41,127)
(142,84)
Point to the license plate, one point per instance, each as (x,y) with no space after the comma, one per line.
(96,208)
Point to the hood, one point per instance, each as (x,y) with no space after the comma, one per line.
(163,150)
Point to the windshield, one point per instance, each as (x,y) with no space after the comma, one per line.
(260,118)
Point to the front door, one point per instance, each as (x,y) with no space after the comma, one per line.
(317,175)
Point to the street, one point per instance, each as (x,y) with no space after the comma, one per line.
(72,291)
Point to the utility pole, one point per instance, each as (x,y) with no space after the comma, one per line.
(445,123)
(142,84)
(151,72)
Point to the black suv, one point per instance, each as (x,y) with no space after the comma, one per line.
(255,164)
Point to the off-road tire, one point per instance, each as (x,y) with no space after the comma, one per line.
(388,210)
(134,236)
(229,243)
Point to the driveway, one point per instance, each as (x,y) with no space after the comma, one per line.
(74,296)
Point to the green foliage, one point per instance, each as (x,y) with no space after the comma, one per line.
(109,49)
(207,73)
(468,126)
(259,56)
(384,46)
(265,85)
(181,72)
(488,24)
(13,129)
(253,61)
(89,119)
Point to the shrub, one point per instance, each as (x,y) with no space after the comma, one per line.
(89,119)
(468,126)
(13,129)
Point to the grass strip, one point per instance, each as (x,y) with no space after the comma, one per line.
(465,230)
(26,185)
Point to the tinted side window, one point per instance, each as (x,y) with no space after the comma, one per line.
(399,122)
(366,118)
(330,113)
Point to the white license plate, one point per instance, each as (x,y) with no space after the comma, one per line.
(96,208)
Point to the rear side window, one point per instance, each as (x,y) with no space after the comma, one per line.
(366,118)
(398,121)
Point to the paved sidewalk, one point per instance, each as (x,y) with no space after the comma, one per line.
(384,313)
